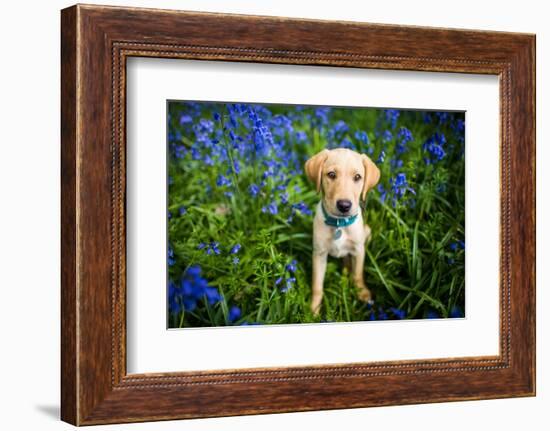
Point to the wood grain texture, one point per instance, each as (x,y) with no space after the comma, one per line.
(96,41)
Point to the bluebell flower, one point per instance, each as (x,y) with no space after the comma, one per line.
(217,116)
(396,164)
(434,147)
(301,137)
(303,208)
(284,198)
(174,300)
(443,117)
(399,186)
(278,281)
(292,266)
(362,136)
(387,136)
(171,260)
(346,143)
(381,157)
(289,284)
(235,249)
(211,248)
(234,313)
(458,128)
(212,295)
(253,190)
(179,151)
(404,136)
(222,181)
(193,287)
(383,193)
(456,245)
(391,116)
(456,312)
(185,119)
(432,314)
(321,116)
(182,210)
(207,160)
(340,127)
(271,208)
(398,313)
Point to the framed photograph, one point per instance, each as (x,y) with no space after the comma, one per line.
(287,207)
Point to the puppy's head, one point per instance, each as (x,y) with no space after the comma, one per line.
(344,176)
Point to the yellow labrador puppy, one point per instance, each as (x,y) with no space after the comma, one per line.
(343,177)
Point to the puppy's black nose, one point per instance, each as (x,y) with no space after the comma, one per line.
(343,206)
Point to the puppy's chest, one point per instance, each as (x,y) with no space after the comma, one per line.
(342,246)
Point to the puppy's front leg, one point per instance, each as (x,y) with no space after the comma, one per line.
(318,276)
(358,262)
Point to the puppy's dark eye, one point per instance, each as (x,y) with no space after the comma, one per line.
(357,177)
(331,175)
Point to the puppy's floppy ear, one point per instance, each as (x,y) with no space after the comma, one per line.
(314,168)
(372,175)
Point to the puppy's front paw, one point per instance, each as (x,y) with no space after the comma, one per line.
(315,306)
(365,295)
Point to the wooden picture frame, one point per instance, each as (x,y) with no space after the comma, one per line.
(95,43)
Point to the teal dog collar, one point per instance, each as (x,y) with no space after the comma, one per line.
(338,222)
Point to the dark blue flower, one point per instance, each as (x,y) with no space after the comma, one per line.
(399,314)
(271,208)
(182,210)
(391,116)
(185,119)
(284,198)
(362,136)
(235,249)
(434,147)
(432,314)
(387,136)
(234,313)
(171,260)
(222,181)
(303,208)
(253,189)
(456,312)
(193,287)
(382,315)
(292,266)
(301,137)
(456,245)
(404,136)
(399,186)
(289,284)
(383,193)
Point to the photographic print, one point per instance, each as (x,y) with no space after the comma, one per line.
(287,214)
